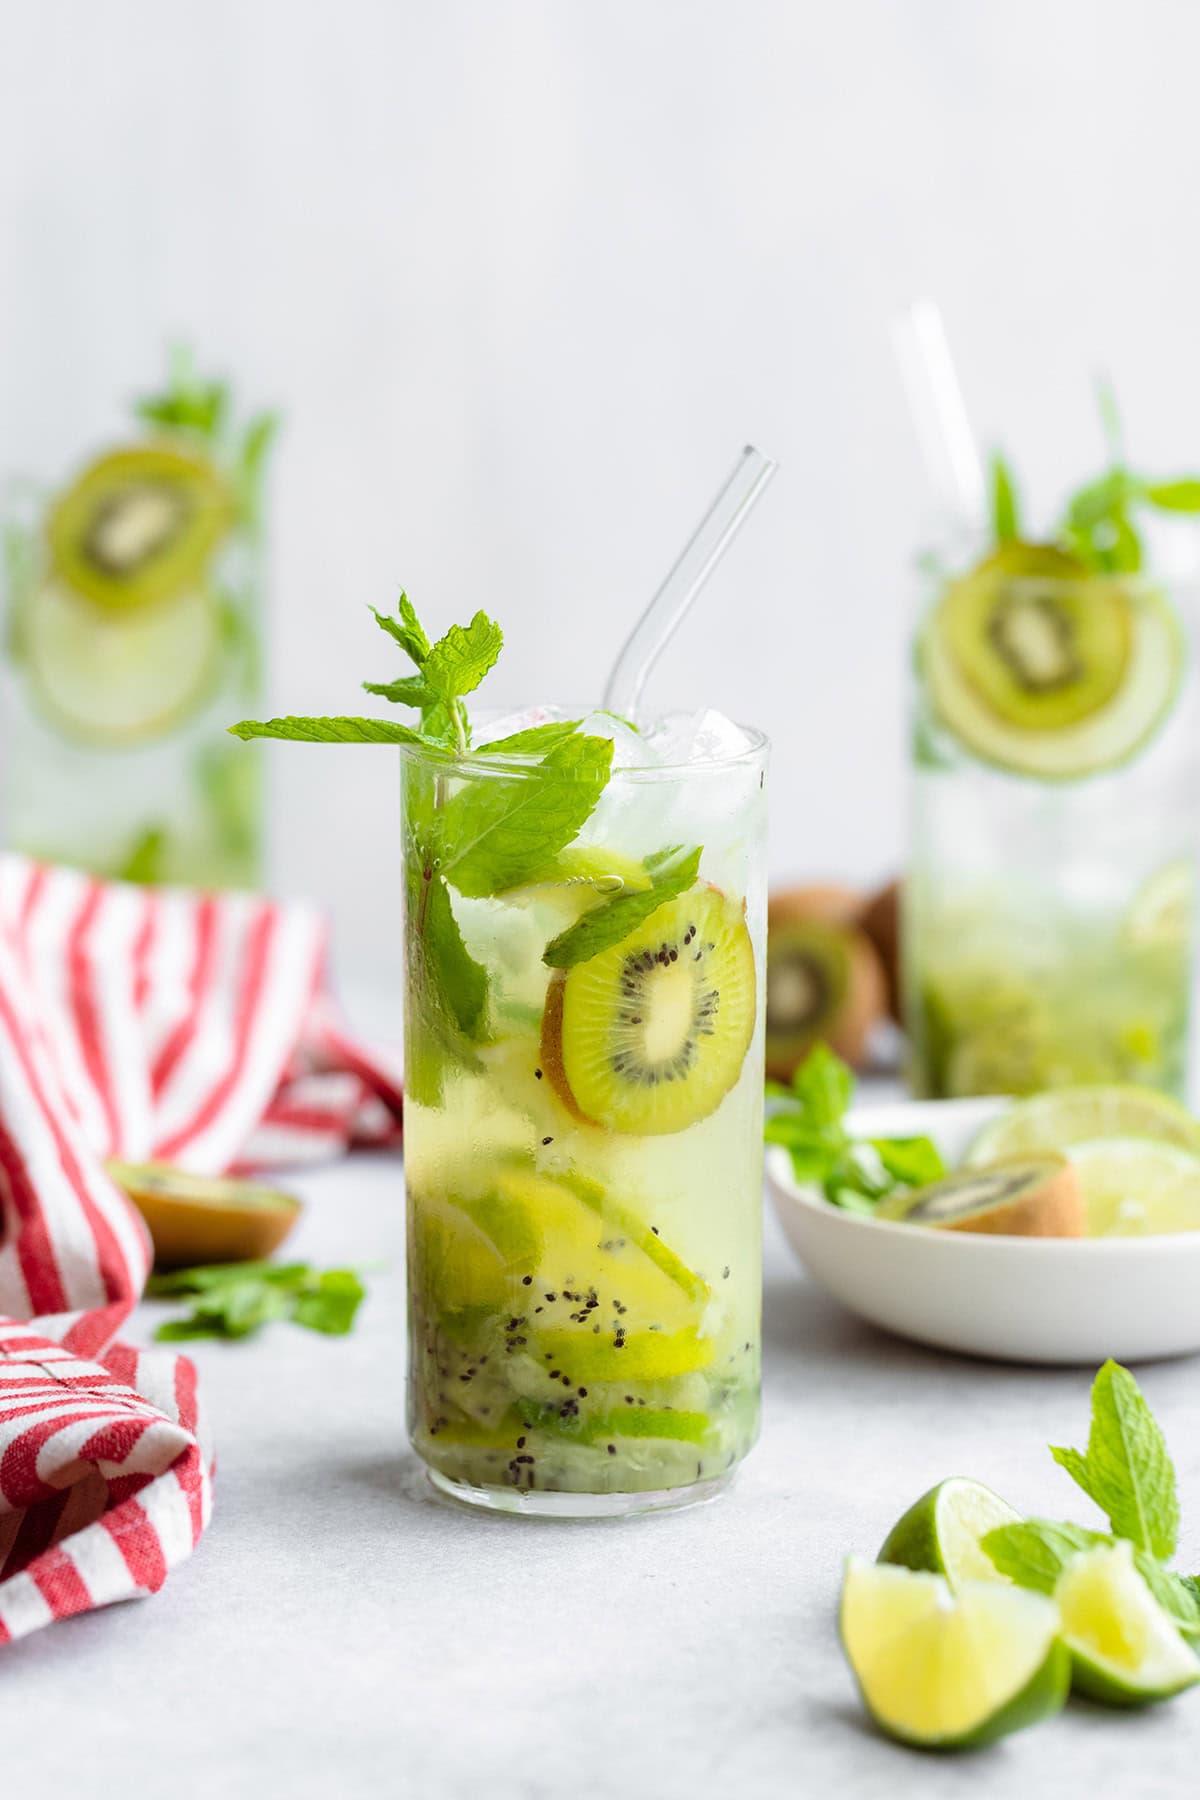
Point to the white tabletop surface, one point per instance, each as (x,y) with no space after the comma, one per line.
(341,1633)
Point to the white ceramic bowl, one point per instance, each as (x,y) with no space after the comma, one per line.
(1032,1300)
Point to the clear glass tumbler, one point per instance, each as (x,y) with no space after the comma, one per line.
(1048,915)
(583,1131)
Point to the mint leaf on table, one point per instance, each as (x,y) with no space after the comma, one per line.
(1006,508)
(611,923)
(234,1300)
(342,730)
(1126,1468)
(494,834)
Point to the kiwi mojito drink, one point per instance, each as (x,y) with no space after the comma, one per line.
(1048,916)
(584,924)
(132,627)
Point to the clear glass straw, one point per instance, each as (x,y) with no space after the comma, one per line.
(939,413)
(695,563)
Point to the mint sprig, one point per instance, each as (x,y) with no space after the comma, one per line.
(808,1119)
(235,1300)
(1127,1471)
(1126,1468)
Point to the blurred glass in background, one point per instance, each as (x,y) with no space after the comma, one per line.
(133,634)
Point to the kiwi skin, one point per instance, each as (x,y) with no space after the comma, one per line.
(1051,1206)
(880,920)
(551,1047)
(848,1032)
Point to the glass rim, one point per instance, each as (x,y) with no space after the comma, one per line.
(478,762)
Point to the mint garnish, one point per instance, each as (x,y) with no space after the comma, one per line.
(493,834)
(854,1173)
(328,731)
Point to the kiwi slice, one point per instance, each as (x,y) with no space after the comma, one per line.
(1027,1196)
(825,980)
(650,1035)
(195,1219)
(1043,667)
(139,525)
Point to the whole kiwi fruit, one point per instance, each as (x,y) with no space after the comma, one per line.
(825,979)
(880,919)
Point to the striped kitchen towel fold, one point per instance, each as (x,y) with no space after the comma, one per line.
(140,1023)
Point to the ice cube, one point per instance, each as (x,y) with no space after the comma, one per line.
(696,737)
(631,749)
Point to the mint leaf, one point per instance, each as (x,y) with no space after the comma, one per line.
(1006,510)
(461,982)
(1126,1469)
(329,1302)
(1181,496)
(459,661)
(409,690)
(234,1300)
(328,731)
(824,1086)
(406,630)
(494,833)
(1034,1552)
(533,741)
(914,1161)
(610,924)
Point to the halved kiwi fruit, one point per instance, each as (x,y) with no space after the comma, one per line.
(650,1035)
(825,980)
(1027,1196)
(139,525)
(206,1218)
(1045,668)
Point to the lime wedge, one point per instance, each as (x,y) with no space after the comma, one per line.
(1124,1649)
(1042,739)
(111,677)
(1135,1187)
(941,1532)
(1066,1116)
(950,1671)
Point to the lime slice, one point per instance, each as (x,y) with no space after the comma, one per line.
(1124,1648)
(1066,1116)
(1163,910)
(108,677)
(1135,1187)
(940,1533)
(950,1671)
(1107,734)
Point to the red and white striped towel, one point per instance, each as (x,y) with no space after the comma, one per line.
(138,1023)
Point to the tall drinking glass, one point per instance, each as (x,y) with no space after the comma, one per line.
(1048,920)
(583,1132)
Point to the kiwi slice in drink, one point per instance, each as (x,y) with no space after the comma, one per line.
(139,525)
(1045,668)
(1029,1196)
(650,1035)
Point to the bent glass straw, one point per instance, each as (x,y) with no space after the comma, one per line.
(695,563)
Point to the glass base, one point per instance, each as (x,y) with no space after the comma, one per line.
(548,1505)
